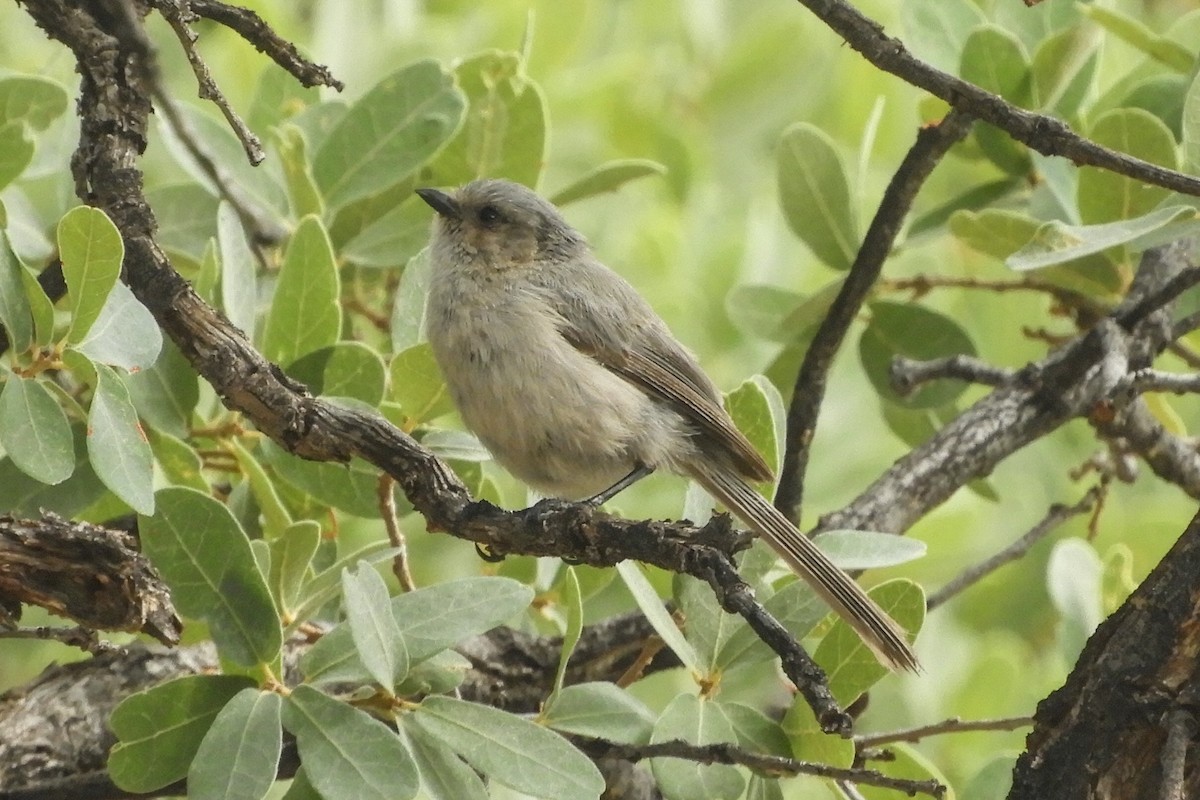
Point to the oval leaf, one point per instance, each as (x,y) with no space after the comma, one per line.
(856,550)
(91,250)
(305,314)
(117,445)
(161,729)
(35,432)
(239,756)
(206,559)
(124,335)
(395,128)
(815,194)
(900,329)
(511,750)
(351,756)
(1104,195)
(607,177)
(372,626)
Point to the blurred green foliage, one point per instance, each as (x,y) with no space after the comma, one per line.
(723,155)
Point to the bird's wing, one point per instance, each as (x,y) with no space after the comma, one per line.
(648,356)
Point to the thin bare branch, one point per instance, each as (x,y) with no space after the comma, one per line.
(179,16)
(952,725)
(1057,515)
(387,512)
(907,374)
(759,762)
(933,142)
(1044,134)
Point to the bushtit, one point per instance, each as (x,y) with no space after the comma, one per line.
(577,387)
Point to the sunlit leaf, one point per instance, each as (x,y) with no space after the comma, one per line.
(117,445)
(91,251)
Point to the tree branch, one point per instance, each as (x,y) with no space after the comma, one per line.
(1046,135)
(933,142)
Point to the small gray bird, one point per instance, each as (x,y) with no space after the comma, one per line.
(577,387)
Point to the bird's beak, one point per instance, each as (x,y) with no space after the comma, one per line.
(442,203)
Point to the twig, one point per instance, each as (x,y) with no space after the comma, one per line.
(952,725)
(178,15)
(762,763)
(259,224)
(736,597)
(83,638)
(1184,353)
(1153,380)
(387,510)
(1170,457)
(907,374)
(1181,727)
(1057,515)
(1044,134)
(920,285)
(251,27)
(933,142)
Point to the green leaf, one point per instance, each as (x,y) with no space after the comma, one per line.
(600,709)
(656,614)
(511,750)
(187,217)
(21,494)
(291,559)
(504,130)
(608,177)
(418,386)
(698,721)
(275,515)
(393,239)
(345,369)
(809,742)
(41,308)
(857,550)
(117,445)
(239,755)
(995,232)
(430,620)
(762,311)
(1191,125)
(571,601)
(327,583)
(124,334)
(755,730)
(1135,33)
(851,666)
(408,313)
(757,410)
(35,432)
(996,61)
(1064,65)
(297,172)
(444,776)
(16,150)
(278,97)
(797,608)
(179,461)
(814,191)
(901,329)
(376,635)
(351,756)
(395,128)
(239,285)
(455,445)
(160,729)
(1058,243)
(937,31)
(201,551)
(305,314)
(91,251)
(350,487)
(37,101)
(1104,195)
(707,626)
(166,394)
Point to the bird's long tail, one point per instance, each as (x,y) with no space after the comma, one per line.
(880,632)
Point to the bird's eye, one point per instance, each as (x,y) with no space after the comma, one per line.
(489,215)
